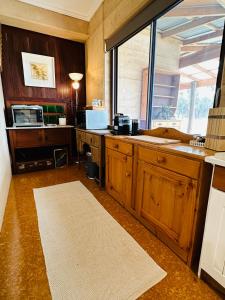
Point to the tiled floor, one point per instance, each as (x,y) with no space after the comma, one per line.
(22,267)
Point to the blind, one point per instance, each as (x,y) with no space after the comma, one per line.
(152,11)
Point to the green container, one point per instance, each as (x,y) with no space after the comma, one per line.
(60,109)
(52,108)
(46,119)
(53,119)
(45,108)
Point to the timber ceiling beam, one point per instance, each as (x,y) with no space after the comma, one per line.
(189,25)
(200,83)
(203,70)
(192,48)
(200,56)
(197,10)
(203,37)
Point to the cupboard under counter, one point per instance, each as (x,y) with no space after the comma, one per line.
(165,189)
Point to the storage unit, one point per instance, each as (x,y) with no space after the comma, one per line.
(34,139)
(164,188)
(119,163)
(95,141)
(213,248)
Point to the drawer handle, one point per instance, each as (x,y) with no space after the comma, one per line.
(161,160)
(116,146)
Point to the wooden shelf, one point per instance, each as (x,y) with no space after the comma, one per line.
(165,85)
(161,96)
(159,106)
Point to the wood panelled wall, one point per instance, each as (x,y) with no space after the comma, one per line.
(69,57)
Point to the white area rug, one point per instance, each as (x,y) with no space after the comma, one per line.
(88,255)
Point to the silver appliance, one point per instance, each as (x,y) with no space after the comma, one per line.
(27,115)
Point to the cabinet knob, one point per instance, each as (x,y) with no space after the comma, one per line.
(127,174)
(161,160)
(116,146)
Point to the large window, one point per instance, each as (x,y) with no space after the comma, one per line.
(133,58)
(178,87)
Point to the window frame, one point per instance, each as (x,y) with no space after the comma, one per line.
(151,67)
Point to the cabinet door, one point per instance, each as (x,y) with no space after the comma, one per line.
(119,176)
(166,200)
(213,250)
(27,138)
(57,136)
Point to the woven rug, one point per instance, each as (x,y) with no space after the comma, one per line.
(88,255)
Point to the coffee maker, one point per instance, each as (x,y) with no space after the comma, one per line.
(121,125)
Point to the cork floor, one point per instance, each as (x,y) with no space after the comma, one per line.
(22,266)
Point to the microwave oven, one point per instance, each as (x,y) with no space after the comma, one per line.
(92,119)
(27,115)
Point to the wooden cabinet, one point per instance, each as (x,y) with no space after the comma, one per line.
(166,200)
(25,138)
(163,189)
(57,137)
(94,140)
(119,176)
(36,138)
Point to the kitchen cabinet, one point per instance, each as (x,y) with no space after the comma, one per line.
(119,176)
(166,200)
(34,139)
(165,187)
(213,247)
(93,141)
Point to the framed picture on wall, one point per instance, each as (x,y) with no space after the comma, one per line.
(38,70)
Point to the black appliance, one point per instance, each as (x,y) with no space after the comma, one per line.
(134,128)
(121,125)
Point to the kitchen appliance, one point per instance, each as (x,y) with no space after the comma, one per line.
(134,128)
(92,119)
(27,115)
(121,125)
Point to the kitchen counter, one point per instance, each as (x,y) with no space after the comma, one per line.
(96,131)
(183,149)
(39,127)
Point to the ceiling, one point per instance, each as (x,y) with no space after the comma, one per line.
(83,10)
(198,25)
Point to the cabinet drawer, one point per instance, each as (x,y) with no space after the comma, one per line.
(95,154)
(96,140)
(88,138)
(28,138)
(219,178)
(78,135)
(58,136)
(119,146)
(184,166)
(82,136)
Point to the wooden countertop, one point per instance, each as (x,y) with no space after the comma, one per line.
(182,149)
(39,127)
(96,131)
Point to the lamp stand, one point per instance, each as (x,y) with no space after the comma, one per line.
(76,106)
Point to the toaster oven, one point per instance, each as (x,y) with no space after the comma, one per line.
(27,115)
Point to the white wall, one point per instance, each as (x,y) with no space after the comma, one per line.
(5,168)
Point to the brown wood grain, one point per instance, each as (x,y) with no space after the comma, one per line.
(69,57)
(169,192)
(219,178)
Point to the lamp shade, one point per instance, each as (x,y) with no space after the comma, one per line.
(76,76)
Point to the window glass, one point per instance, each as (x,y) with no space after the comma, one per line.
(188,44)
(133,60)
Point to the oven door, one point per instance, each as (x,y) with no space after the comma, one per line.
(27,117)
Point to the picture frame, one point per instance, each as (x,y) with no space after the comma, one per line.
(38,70)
